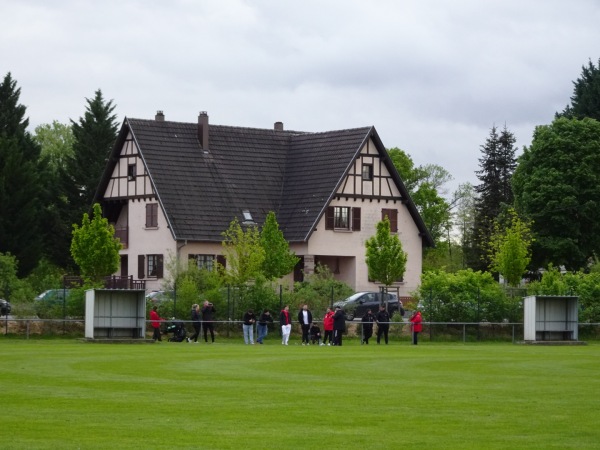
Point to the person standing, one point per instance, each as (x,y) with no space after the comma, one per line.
(328,327)
(155,321)
(383,324)
(339,325)
(208,316)
(367,326)
(262,327)
(305,319)
(416,325)
(248,326)
(285,320)
(195,323)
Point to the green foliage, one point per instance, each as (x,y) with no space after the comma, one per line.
(319,290)
(584,285)
(464,296)
(385,258)
(585,101)
(279,260)
(56,143)
(244,253)
(497,165)
(94,133)
(94,247)
(510,249)
(424,184)
(19,181)
(557,186)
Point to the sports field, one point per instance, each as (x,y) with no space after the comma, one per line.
(69,394)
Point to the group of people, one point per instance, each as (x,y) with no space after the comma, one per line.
(382,319)
(203,318)
(334,325)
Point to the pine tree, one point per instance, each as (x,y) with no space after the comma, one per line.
(19,181)
(494,193)
(95,135)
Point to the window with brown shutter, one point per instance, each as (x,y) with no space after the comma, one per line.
(392,215)
(329,214)
(221,262)
(355,219)
(151,215)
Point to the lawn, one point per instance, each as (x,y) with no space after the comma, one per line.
(69,394)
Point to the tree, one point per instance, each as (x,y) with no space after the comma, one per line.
(279,260)
(585,101)
(244,253)
(94,247)
(510,249)
(386,260)
(497,165)
(95,135)
(424,184)
(56,142)
(557,186)
(19,182)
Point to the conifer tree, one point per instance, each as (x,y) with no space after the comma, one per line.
(95,134)
(498,162)
(585,101)
(19,181)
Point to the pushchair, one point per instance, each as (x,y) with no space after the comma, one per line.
(178,330)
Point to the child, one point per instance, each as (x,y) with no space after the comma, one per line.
(315,334)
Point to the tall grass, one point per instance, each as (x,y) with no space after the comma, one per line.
(70,394)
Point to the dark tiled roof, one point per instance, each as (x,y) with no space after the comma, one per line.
(201,191)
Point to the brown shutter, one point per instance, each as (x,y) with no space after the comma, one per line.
(329,212)
(148,215)
(356,219)
(141,267)
(159,266)
(392,215)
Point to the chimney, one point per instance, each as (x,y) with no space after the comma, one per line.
(159,117)
(203,129)
(278,126)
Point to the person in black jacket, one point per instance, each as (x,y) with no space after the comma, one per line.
(367,326)
(195,323)
(339,325)
(383,324)
(208,311)
(262,327)
(305,319)
(248,326)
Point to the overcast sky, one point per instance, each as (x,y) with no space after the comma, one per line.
(431,76)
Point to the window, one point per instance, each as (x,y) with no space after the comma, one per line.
(367,172)
(203,261)
(152,215)
(342,218)
(131,172)
(155,266)
(392,215)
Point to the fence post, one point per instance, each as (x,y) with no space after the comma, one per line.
(27,330)
(464,333)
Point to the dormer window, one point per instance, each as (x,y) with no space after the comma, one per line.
(247,216)
(367,172)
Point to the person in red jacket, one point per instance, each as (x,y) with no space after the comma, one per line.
(155,322)
(416,325)
(328,326)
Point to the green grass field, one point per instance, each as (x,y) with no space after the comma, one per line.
(69,394)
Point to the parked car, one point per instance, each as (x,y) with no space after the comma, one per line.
(357,304)
(53,296)
(159,296)
(4,307)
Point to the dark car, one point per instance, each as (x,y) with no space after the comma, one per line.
(357,305)
(4,307)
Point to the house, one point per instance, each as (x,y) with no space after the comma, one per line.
(171,188)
